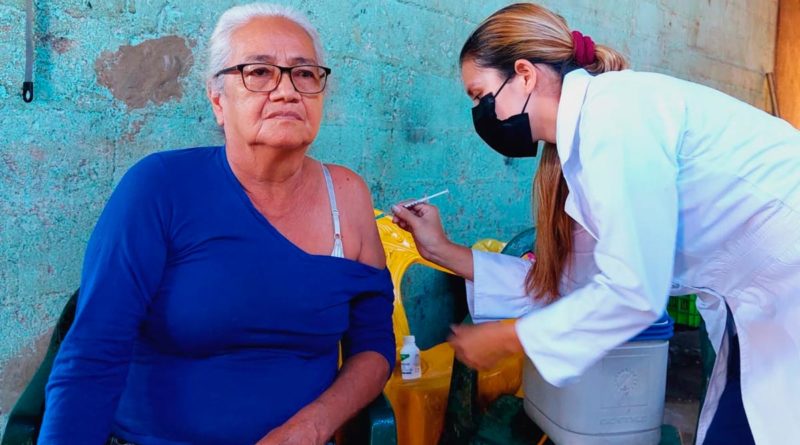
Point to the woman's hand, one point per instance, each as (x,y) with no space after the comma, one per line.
(360,380)
(425,225)
(482,346)
(296,431)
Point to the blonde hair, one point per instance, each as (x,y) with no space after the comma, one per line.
(531,32)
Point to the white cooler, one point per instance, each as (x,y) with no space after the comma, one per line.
(619,400)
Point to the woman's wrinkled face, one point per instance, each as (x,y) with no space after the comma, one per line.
(282,118)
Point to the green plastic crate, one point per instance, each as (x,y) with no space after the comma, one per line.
(683,310)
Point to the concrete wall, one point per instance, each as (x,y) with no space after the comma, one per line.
(117,79)
(787,61)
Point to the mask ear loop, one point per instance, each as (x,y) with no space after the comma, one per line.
(501,89)
(526,103)
(503,85)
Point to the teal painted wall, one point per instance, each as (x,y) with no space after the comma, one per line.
(395,113)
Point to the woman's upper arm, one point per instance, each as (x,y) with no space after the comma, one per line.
(372,252)
(357,201)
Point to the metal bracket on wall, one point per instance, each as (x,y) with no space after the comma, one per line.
(27,85)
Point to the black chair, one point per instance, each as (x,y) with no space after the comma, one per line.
(25,418)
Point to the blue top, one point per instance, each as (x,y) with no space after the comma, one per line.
(197,321)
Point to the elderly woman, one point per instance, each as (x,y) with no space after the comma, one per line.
(220,281)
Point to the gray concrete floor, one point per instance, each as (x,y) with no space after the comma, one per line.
(684,376)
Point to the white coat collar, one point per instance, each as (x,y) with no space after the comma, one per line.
(573,93)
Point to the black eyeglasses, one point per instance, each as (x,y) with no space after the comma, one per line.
(265,77)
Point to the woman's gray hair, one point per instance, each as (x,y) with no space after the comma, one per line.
(219,47)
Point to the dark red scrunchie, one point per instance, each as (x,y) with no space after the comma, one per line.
(584,49)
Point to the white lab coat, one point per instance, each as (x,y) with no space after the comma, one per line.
(676,188)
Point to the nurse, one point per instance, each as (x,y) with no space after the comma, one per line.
(647,186)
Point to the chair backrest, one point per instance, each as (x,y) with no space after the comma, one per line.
(401,253)
(489,245)
(462,417)
(522,243)
(26,417)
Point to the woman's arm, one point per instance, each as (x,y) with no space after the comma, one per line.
(122,268)
(368,347)
(360,381)
(425,225)
(495,282)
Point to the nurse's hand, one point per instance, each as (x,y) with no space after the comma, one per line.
(425,225)
(482,346)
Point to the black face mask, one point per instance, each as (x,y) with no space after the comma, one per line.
(510,137)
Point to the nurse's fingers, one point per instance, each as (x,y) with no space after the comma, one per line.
(403,216)
(461,350)
(402,224)
(426,211)
(466,358)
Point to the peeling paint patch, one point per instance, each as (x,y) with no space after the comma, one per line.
(10,163)
(135,128)
(37,154)
(59,44)
(148,72)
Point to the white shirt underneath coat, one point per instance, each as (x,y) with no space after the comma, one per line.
(676,188)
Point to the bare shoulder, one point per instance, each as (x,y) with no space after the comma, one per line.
(355,201)
(349,184)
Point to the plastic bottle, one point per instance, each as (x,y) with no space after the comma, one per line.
(409,359)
